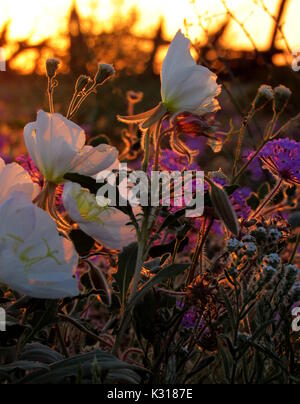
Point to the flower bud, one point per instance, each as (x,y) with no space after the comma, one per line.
(260,234)
(269,273)
(264,95)
(275,236)
(272,260)
(223,208)
(105,71)
(291,270)
(233,245)
(51,67)
(82,83)
(250,249)
(281,99)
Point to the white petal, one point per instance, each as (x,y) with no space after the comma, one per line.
(13,178)
(53,142)
(91,160)
(198,91)
(34,259)
(111,230)
(31,145)
(176,65)
(109,227)
(187,87)
(2,164)
(69,202)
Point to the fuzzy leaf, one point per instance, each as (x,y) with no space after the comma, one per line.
(126,268)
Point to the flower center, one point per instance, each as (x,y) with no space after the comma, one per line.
(87,206)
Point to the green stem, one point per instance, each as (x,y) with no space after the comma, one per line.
(197,252)
(267,137)
(50,95)
(159,136)
(240,140)
(201,243)
(147,151)
(267,200)
(75,95)
(61,341)
(77,104)
(140,257)
(247,164)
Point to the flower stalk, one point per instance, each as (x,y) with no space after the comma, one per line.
(142,244)
(268,199)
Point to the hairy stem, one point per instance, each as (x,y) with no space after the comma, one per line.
(268,199)
(140,257)
(240,140)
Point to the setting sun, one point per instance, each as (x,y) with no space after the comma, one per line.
(44,19)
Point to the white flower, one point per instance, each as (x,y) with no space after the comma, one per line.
(106,225)
(13,178)
(57,146)
(186,86)
(34,259)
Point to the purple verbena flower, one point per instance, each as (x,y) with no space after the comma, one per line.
(282,158)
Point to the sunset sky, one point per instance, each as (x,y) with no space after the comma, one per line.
(44,18)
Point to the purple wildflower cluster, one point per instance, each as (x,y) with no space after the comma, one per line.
(282,158)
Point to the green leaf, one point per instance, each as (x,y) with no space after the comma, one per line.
(253,202)
(145,314)
(230,189)
(202,365)
(228,308)
(278,198)
(112,369)
(264,190)
(225,360)
(172,219)
(99,283)
(126,268)
(82,242)
(165,274)
(22,365)
(36,352)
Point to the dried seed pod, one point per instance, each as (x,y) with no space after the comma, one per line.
(105,71)
(52,65)
(281,99)
(82,83)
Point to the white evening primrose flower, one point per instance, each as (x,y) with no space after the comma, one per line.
(105,224)
(185,86)
(57,146)
(13,178)
(34,259)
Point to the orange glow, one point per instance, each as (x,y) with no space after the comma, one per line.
(42,19)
